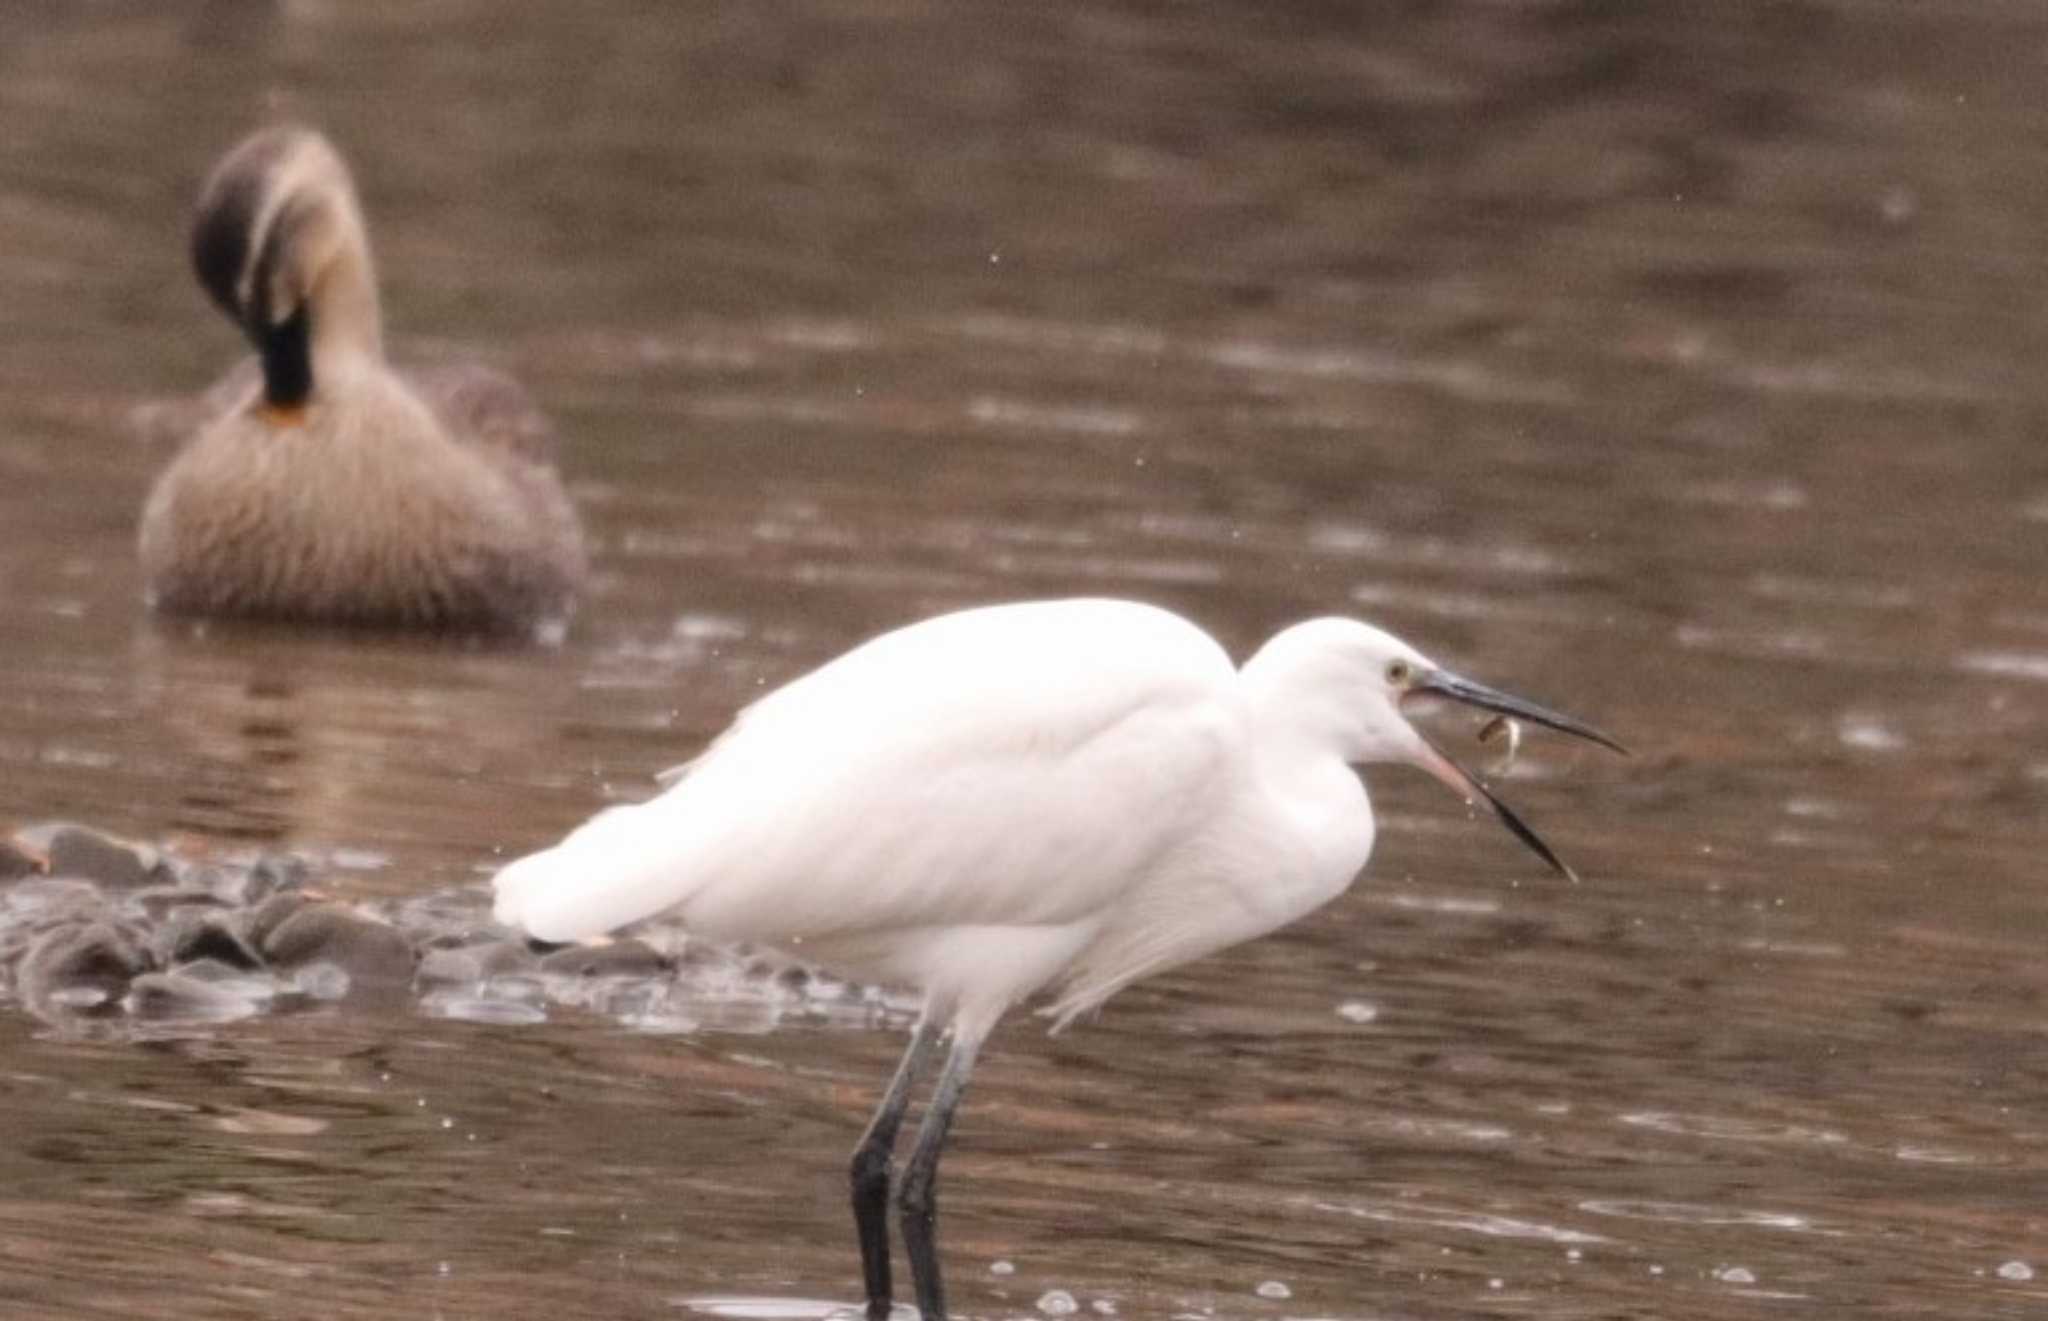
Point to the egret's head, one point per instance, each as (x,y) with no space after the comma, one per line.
(1338,679)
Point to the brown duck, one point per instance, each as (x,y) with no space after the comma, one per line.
(334,489)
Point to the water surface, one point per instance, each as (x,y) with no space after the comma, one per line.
(1679,367)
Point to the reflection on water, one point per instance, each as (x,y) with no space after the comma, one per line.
(1679,367)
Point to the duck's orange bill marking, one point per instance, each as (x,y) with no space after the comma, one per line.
(282,415)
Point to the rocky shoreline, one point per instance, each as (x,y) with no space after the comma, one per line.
(100,933)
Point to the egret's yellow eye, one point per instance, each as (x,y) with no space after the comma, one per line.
(1399,672)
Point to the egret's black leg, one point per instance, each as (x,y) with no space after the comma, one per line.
(915,1196)
(871,1170)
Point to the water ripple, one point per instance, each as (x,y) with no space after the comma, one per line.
(1730,1128)
(1697,1213)
(1472,1222)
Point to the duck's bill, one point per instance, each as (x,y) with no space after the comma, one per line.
(1442,683)
(1473,790)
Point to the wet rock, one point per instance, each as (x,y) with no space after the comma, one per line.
(368,951)
(618,958)
(275,873)
(477,962)
(79,851)
(164,903)
(446,918)
(699,955)
(328,981)
(17,861)
(82,969)
(258,983)
(231,885)
(504,957)
(210,935)
(171,996)
(271,914)
(459,967)
(50,898)
(32,910)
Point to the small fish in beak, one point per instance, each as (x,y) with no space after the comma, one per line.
(1505,736)
(1507,708)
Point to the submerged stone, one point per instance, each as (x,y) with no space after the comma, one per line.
(269,915)
(174,906)
(451,966)
(274,873)
(618,958)
(82,968)
(171,996)
(368,951)
(501,957)
(17,861)
(80,851)
(239,885)
(249,984)
(40,900)
(211,935)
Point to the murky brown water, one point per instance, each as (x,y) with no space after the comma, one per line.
(1677,363)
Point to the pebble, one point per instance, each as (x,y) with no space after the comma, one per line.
(502,958)
(370,952)
(211,935)
(81,968)
(450,966)
(91,855)
(617,958)
(17,861)
(270,914)
(93,925)
(277,871)
(250,985)
(162,902)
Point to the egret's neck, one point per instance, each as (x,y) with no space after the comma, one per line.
(1322,823)
(1298,714)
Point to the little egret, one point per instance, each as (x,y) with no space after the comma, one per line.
(1057,796)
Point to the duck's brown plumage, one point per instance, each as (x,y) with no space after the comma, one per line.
(328,487)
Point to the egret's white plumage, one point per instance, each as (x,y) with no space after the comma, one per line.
(1062,795)
(977,805)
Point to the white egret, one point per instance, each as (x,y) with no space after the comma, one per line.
(1058,796)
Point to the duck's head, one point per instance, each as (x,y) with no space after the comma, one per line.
(279,244)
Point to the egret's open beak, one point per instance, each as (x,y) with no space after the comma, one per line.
(1442,683)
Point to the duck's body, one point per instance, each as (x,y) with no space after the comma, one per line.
(330,487)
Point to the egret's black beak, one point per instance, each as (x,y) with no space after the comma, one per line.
(1442,683)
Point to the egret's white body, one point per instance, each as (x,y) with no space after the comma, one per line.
(1074,793)
(1063,795)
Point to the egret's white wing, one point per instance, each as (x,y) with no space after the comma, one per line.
(1014,765)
